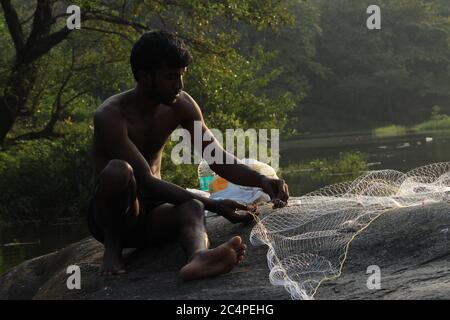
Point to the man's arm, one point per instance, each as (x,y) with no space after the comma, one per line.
(233,171)
(111,132)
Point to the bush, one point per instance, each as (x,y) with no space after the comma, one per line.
(46,179)
(183,175)
(389,131)
(438,122)
(318,173)
(346,163)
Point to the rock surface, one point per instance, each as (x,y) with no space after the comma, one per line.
(411,247)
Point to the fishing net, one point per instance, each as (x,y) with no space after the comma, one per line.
(308,240)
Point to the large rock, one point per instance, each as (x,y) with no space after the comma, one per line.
(411,247)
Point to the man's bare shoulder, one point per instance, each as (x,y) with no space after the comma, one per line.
(113,107)
(188,107)
(109,113)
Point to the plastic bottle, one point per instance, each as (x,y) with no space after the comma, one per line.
(205,175)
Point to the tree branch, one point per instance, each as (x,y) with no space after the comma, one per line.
(4,104)
(56,112)
(124,6)
(27,20)
(35,101)
(14,27)
(47,43)
(35,136)
(58,106)
(40,27)
(101,16)
(110,32)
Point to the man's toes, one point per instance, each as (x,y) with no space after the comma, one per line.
(240,249)
(236,242)
(241,255)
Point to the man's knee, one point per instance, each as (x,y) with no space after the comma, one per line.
(193,210)
(116,176)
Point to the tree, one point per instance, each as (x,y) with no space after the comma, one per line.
(377,77)
(37,31)
(294,51)
(49,128)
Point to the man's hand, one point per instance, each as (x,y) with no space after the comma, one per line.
(277,190)
(227,209)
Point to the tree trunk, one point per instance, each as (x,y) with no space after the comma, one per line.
(6,119)
(19,86)
(23,75)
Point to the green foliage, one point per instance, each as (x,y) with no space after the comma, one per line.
(389,131)
(51,178)
(441,123)
(221,79)
(6,49)
(227,84)
(377,76)
(46,179)
(184,175)
(437,121)
(321,172)
(226,88)
(257,64)
(348,162)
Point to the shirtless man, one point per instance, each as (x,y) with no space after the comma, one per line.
(132,207)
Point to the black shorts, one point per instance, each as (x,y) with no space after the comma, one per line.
(134,238)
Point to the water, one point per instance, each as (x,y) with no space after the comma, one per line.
(18,244)
(401,153)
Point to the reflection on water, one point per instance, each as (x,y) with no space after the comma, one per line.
(21,243)
(404,153)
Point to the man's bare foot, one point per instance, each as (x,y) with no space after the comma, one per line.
(213,262)
(112,263)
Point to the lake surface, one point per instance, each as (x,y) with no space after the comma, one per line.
(404,153)
(20,243)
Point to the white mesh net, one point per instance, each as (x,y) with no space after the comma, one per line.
(308,239)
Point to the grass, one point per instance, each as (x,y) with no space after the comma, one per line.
(349,162)
(438,122)
(389,131)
